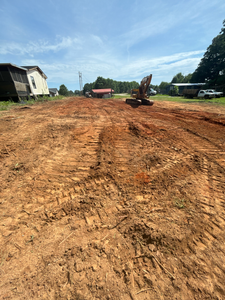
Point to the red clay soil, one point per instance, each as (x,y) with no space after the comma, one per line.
(102,200)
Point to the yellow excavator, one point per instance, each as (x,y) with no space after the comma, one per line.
(139,95)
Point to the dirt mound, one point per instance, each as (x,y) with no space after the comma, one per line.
(100,200)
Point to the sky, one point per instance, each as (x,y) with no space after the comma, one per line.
(124,40)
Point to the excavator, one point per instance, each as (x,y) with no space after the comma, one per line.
(139,95)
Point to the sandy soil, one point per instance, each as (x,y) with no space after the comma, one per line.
(101,200)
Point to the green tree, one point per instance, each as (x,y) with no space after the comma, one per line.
(121,87)
(117,86)
(162,87)
(63,90)
(100,83)
(87,87)
(114,86)
(109,83)
(187,78)
(178,78)
(174,91)
(70,93)
(211,68)
(135,85)
(154,87)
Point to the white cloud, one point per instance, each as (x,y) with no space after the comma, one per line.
(97,39)
(185,62)
(162,68)
(40,46)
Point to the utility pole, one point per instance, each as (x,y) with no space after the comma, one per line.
(81,83)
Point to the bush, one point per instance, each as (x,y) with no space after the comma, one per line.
(174,91)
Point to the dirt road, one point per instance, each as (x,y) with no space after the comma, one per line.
(101,200)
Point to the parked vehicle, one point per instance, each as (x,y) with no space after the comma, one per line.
(152,92)
(88,95)
(217,94)
(202,94)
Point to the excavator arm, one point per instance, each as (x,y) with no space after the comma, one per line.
(145,85)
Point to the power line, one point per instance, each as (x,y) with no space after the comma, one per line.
(86,79)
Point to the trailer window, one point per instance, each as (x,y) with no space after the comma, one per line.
(33,82)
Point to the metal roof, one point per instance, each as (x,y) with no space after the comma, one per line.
(102,91)
(54,90)
(15,66)
(35,68)
(187,84)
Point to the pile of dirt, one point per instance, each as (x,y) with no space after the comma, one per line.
(101,200)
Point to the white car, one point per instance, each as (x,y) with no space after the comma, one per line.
(205,94)
(217,94)
(152,92)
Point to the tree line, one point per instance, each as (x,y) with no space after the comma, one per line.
(117,86)
(211,70)
(178,78)
(63,90)
(102,83)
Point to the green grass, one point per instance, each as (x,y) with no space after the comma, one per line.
(6,105)
(159,97)
(179,203)
(119,96)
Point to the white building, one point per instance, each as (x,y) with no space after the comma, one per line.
(37,81)
(53,92)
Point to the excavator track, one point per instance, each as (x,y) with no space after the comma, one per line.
(140,102)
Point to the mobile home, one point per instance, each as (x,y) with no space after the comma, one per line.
(13,82)
(37,80)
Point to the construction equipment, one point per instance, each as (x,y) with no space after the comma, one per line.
(88,95)
(139,95)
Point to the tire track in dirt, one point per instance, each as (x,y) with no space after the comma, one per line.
(210,234)
(122,199)
(207,147)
